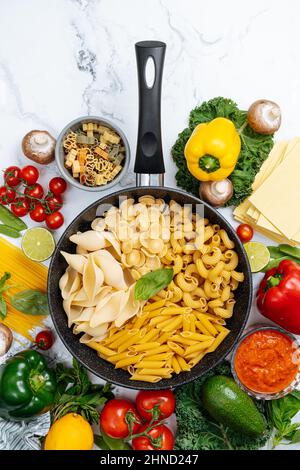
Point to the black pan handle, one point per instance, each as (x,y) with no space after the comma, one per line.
(149,153)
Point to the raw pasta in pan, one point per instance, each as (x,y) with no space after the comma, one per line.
(172,331)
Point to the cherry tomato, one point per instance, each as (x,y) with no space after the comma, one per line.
(113,415)
(161,432)
(55,220)
(244,232)
(30,174)
(44,340)
(20,206)
(12,176)
(147,400)
(7,195)
(38,214)
(53,202)
(57,185)
(35,191)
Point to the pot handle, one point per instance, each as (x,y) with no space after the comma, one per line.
(149,163)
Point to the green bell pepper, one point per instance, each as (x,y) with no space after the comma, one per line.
(27,386)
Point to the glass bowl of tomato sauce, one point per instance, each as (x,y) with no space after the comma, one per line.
(265,362)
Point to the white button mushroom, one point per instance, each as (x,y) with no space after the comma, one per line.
(264,117)
(6,339)
(39,146)
(216,193)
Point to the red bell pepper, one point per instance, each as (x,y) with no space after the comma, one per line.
(278,296)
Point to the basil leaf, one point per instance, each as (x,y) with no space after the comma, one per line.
(3,279)
(296,437)
(153,282)
(2,308)
(31,302)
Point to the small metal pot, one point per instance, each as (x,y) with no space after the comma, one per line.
(60,154)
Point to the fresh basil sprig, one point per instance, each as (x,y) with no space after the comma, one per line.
(31,302)
(151,283)
(280,413)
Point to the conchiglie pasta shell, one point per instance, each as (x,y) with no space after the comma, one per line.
(108,308)
(72,311)
(90,240)
(98,224)
(84,327)
(69,282)
(77,262)
(85,315)
(93,278)
(82,300)
(112,271)
(130,309)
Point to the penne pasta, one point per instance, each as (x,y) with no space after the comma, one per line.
(143,347)
(199,347)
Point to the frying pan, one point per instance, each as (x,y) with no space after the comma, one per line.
(149,168)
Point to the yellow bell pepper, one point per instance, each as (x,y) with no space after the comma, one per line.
(212,150)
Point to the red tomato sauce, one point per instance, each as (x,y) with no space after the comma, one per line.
(264,361)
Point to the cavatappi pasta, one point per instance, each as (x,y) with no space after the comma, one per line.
(173,330)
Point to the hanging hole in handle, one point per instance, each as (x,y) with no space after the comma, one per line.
(149,72)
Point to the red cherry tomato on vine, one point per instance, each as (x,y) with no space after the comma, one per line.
(35,191)
(54,203)
(147,400)
(38,214)
(7,195)
(57,185)
(30,174)
(161,434)
(113,415)
(44,340)
(244,232)
(55,220)
(20,207)
(12,176)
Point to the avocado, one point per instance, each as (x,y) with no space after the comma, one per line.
(229,405)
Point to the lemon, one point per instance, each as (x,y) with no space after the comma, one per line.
(38,244)
(258,255)
(71,432)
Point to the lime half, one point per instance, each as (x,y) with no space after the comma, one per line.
(38,244)
(258,255)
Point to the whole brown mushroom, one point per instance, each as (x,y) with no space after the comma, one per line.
(6,339)
(39,146)
(216,193)
(264,117)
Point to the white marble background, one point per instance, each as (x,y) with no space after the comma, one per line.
(60,59)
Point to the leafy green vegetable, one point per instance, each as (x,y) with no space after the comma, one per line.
(3,308)
(105,442)
(255,148)
(31,302)
(76,393)
(9,231)
(281,253)
(198,431)
(10,219)
(280,413)
(151,283)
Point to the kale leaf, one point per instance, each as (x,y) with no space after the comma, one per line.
(255,148)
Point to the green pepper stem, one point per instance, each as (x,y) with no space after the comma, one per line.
(274,281)
(209,163)
(36,381)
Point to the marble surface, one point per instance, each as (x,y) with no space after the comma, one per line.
(61,59)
